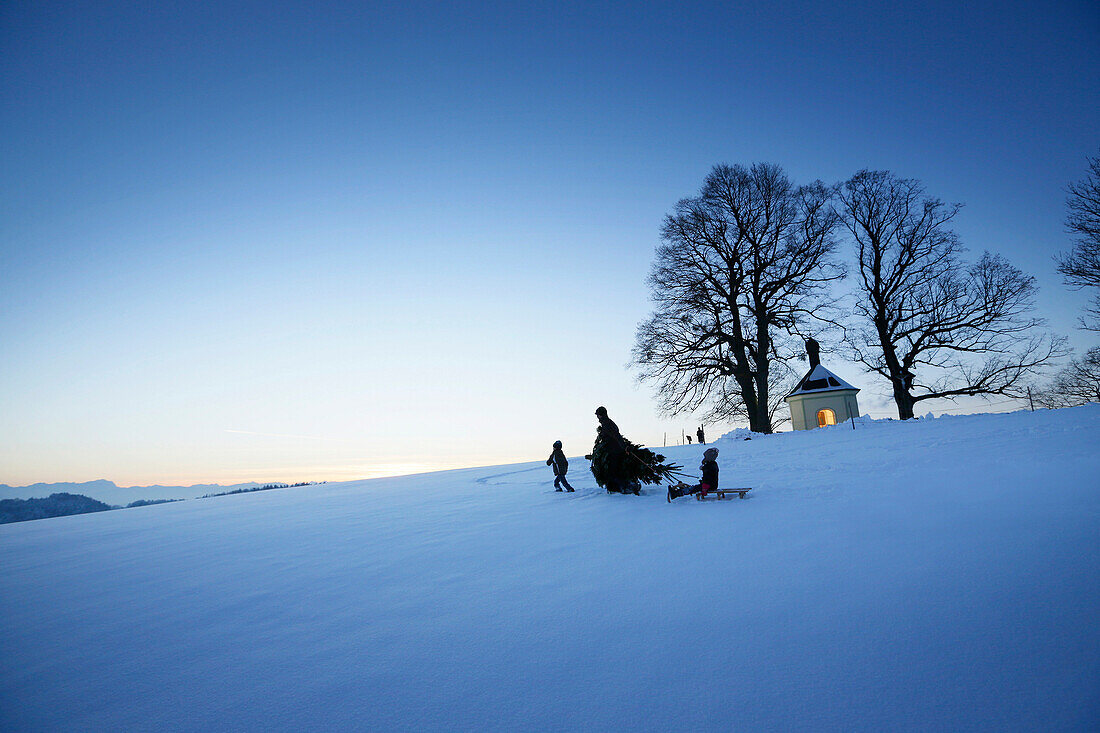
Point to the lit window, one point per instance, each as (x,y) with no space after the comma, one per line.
(826,417)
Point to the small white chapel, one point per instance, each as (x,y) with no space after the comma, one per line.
(821,398)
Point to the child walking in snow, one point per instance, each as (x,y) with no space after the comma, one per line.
(560,463)
(709,467)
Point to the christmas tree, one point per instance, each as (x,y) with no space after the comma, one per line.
(625,472)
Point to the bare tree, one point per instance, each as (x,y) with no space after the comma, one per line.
(1077,384)
(929,325)
(1081,265)
(740,266)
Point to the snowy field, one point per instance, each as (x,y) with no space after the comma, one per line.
(932,575)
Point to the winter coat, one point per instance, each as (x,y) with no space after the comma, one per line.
(710,473)
(612,437)
(558,460)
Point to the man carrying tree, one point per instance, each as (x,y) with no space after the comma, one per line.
(614,447)
(622,467)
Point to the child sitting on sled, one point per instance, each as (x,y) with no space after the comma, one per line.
(709,467)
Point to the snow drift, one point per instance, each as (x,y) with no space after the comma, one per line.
(937,574)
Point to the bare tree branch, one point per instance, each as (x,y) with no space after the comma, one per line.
(1077,384)
(1081,265)
(933,328)
(742,266)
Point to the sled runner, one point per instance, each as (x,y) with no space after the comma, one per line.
(678,490)
(721,493)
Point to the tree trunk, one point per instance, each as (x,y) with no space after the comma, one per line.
(754,407)
(897,371)
(759,420)
(903,399)
(763,412)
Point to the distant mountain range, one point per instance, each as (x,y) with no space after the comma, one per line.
(111,493)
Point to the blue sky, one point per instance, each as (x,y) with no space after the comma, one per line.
(317,241)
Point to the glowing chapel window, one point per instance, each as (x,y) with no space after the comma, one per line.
(826,417)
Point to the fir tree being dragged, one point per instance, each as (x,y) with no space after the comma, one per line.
(621,466)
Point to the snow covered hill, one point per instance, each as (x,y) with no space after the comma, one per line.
(930,575)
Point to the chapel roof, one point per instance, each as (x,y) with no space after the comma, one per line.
(820,379)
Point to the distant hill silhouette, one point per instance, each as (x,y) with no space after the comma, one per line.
(60,504)
(111,493)
(55,505)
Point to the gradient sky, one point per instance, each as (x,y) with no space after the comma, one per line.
(271,241)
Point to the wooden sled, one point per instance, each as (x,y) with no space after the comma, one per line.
(720,494)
